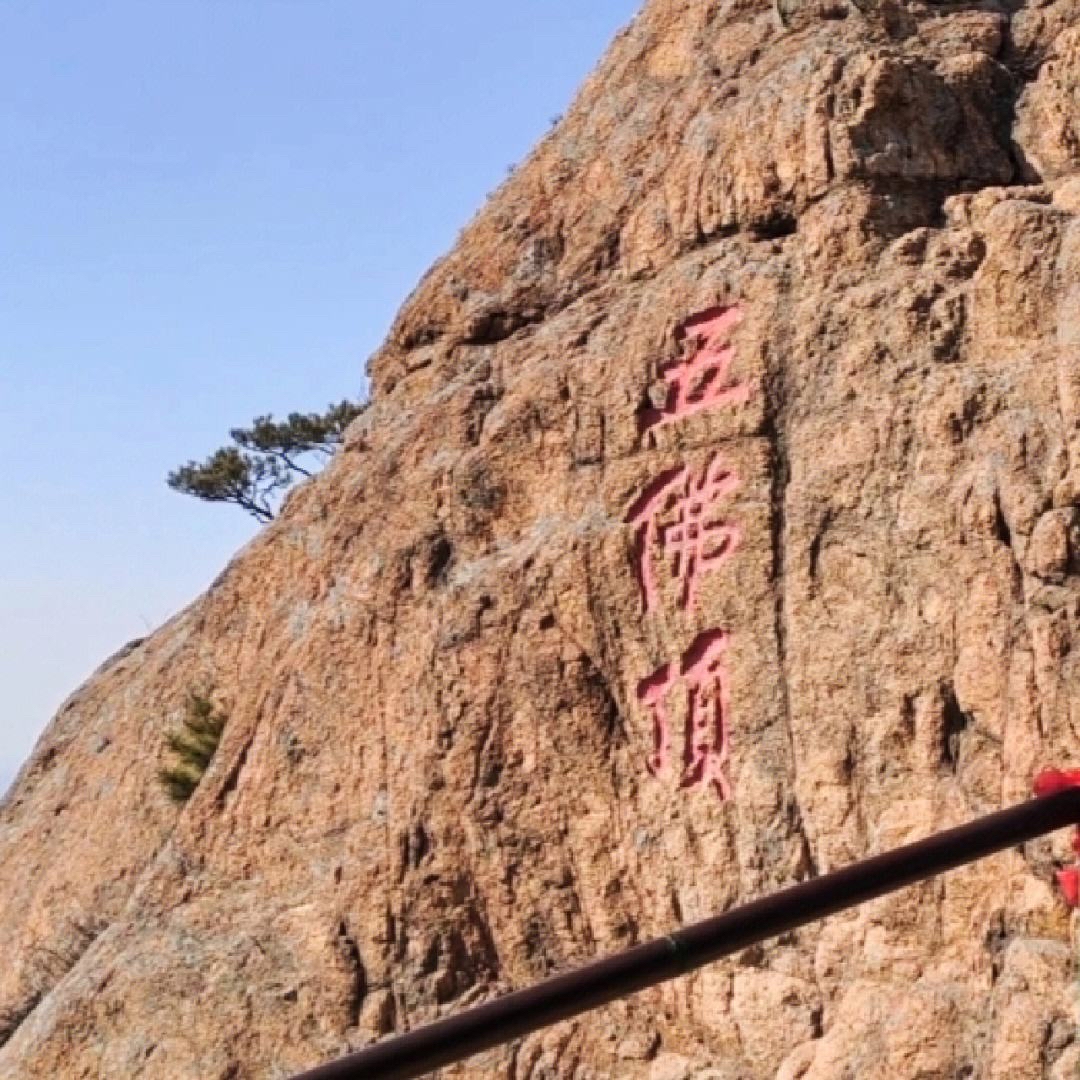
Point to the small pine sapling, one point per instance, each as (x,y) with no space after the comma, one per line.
(192,747)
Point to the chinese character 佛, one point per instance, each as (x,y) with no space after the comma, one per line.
(677,517)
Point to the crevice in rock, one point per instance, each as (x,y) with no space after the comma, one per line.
(615,731)
(350,952)
(818,541)
(777,225)
(515,1055)
(12,1017)
(997,938)
(1024,69)
(807,866)
(775,430)
(1059,1035)
(1002,532)
(537,938)
(438,557)
(416,845)
(703,238)
(1004,536)
(47,966)
(232,779)
(955,723)
(496,326)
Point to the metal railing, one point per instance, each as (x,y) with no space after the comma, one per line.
(457,1037)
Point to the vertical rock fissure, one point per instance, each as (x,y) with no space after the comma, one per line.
(357,973)
(780,468)
(776,430)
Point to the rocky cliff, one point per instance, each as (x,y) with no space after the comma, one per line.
(716,522)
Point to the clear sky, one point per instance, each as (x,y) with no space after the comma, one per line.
(211,209)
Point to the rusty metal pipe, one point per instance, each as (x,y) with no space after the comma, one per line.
(507,1018)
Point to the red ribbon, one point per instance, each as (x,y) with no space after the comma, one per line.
(1069,881)
(1050,782)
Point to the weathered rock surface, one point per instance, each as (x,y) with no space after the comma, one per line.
(433,785)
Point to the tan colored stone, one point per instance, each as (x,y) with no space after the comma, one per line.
(770,1008)
(1055,544)
(432,787)
(1050,109)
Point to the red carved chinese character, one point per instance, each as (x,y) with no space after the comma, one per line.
(693,537)
(697,382)
(706,748)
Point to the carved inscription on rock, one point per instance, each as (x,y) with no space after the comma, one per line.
(682,528)
(699,380)
(706,747)
(680,519)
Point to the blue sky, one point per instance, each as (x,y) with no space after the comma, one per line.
(211,209)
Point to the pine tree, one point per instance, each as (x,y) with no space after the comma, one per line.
(266,459)
(193,746)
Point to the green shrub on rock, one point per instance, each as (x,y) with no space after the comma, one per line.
(192,747)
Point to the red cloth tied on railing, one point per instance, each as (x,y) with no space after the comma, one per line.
(1049,782)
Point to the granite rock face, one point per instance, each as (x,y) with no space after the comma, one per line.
(716,522)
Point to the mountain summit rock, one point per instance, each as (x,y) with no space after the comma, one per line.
(715,522)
